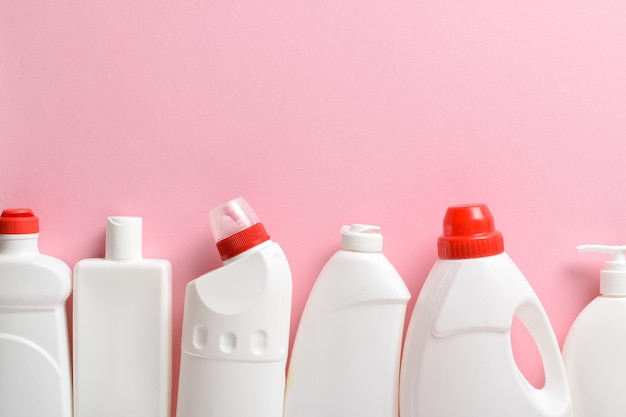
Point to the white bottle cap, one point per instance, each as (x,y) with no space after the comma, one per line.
(123,238)
(361,238)
(613,276)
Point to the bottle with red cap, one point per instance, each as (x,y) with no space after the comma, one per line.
(236,323)
(458,359)
(34,348)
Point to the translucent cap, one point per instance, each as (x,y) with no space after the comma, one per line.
(469,232)
(18,221)
(613,276)
(236,228)
(123,238)
(361,238)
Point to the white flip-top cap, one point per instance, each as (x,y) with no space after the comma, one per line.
(613,276)
(123,238)
(361,238)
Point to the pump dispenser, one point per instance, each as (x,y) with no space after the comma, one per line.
(593,351)
(236,323)
(458,359)
(122,328)
(34,347)
(346,355)
(613,276)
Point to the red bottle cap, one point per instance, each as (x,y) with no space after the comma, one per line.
(236,228)
(469,232)
(18,221)
(240,242)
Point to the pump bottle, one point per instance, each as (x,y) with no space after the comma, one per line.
(34,346)
(236,323)
(346,356)
(594,347)
(122,328)
(458,358)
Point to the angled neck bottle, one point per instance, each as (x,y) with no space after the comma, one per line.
(236,323)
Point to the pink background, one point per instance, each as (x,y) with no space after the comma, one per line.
(321,113)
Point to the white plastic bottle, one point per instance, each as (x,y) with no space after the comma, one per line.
(34,347)
(346,356)
(236,324)
(594,348)
(458,359)
(122,329)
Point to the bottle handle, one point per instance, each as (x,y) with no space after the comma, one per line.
(554,397)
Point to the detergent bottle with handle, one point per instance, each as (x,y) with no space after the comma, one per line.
(458,356)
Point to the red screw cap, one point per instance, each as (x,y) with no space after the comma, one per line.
(242,241)
(236,228)
(469,232)
(18,221)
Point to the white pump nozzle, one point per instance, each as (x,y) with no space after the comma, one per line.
(613,277)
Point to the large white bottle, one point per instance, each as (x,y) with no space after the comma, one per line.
(346,356)
(458,359)
(34,347)
(122,329)
(594,348)
(236,324)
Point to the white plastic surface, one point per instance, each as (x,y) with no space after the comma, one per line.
(123,238)
(361,238)
(346,356)
(458,358)
(594,355)
(122,338)
(34,347)
(236,336)
(231,217)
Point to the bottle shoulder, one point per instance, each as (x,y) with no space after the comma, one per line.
(258,278)
(473,294)
(35,260)
(362,269)
(268,261)
(597,335)
(95,264)
(351,279)
(600,314)
(34,281)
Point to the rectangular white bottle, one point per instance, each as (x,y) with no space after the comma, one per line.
(122,329)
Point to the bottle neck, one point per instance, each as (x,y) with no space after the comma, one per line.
(18,244)
(613,283)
